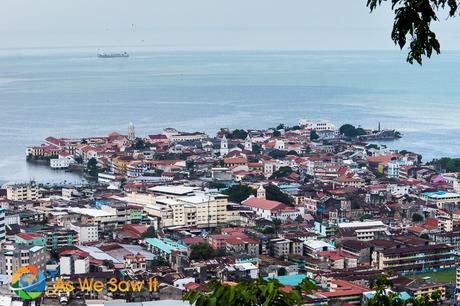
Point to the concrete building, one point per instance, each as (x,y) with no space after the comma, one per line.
(318,125)
(164,248)
(22,192)
(187,206)
(2,225)
(282,248)
(441,199)
(103,219)
(71,264)
(364,231)
(60,163)
(16,256)
(86,232)
(414,258)
(58,238)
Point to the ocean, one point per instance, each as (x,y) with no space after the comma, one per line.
(74,93)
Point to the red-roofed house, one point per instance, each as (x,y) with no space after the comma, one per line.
(341,290)
(235,161)
(269,210)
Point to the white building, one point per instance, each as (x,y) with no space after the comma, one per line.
(60,163)
(393,169)
(313,247)
(279,145)
(365,230)
(106,178)
(86,232)
(318,125)
(71,264)
(188,206)
(131,132)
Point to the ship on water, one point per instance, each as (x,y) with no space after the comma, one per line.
(112,55)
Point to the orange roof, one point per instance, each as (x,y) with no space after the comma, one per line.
(381,159)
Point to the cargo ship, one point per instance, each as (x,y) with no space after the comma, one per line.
(112,55)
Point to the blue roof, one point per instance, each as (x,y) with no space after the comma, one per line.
(435,193)
(402,295)
(166,245)
(292,280)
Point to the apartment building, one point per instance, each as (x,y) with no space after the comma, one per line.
(363,231)
(281,247)
(442,199)
(22,192)
(104,220)
(2,225)
(164,248)
(13,257)
(122,212)
(85,232)
(58,238)
(187,206)
(241,245)
(414,258)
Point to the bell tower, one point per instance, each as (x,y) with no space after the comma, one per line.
(223,146)
(248,143)
(261,192)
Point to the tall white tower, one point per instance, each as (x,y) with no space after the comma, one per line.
(261,194)
(248,143)
(131,133)
(223,146)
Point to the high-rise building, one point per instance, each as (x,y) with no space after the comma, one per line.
(2,225)
(131,132)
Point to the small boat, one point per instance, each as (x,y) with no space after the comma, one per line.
(112,55)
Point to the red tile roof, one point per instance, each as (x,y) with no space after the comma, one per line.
(263,204)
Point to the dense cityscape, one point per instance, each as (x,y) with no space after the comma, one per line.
(174,211)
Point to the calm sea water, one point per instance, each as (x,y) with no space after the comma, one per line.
(77,94)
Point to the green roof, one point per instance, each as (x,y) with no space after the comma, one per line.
(166,245)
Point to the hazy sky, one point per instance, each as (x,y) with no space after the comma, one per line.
(202,24)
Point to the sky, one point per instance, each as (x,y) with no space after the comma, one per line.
(203,25)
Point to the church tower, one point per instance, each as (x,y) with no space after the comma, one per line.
(223,146)
(261,192)
(248,143)
(131,133)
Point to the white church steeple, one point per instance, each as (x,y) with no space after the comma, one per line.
(223,146)
(248,143)
(261,192)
